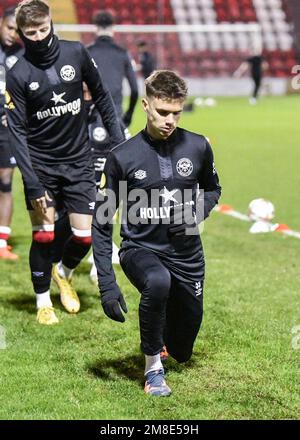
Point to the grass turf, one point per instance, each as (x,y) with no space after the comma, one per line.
(244,366)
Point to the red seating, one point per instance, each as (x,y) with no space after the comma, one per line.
(134,11)
(167,47)
(235,10)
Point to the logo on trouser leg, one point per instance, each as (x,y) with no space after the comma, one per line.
(198,288)
(38,274)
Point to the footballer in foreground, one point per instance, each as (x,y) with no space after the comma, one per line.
(166,178)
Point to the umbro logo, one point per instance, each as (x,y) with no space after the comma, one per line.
(34,86)
(92,205)
(140,174)
(38,274)
(11,61)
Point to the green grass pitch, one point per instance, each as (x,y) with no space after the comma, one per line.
(244,365)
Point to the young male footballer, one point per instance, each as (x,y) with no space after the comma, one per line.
(167,181)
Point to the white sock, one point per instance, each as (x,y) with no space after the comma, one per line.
(43,300)
(3,243)
(153,363)
(64,271)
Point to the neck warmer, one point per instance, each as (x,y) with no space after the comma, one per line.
(43,53)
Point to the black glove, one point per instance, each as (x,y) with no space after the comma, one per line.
(127,117)
(181,218)
(112,302)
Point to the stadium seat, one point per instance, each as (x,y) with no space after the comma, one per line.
(191,53)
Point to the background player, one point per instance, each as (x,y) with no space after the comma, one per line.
(147,62)
(256,64)
(9,52)
(114,64)
(47,124)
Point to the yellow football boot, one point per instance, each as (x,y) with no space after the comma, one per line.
(46,316)
(68,296)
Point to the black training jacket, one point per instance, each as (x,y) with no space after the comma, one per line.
(115,64)
(163,169)
(46,115)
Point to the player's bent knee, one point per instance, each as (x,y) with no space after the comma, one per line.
(158,284)
(43,233)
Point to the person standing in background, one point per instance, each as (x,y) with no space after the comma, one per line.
(115,65)
(48,133)
(9,53)
(256,64)
(147,62)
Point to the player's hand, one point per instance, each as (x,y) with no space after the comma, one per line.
(113,303)
(4,121)
(86,93)
(40,205)
(181,218)
(127,117)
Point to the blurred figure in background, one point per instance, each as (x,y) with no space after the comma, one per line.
(256,64)
(9,51)
(114,64)
(147,62)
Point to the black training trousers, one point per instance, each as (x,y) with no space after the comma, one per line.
(257,84)
(170,310)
